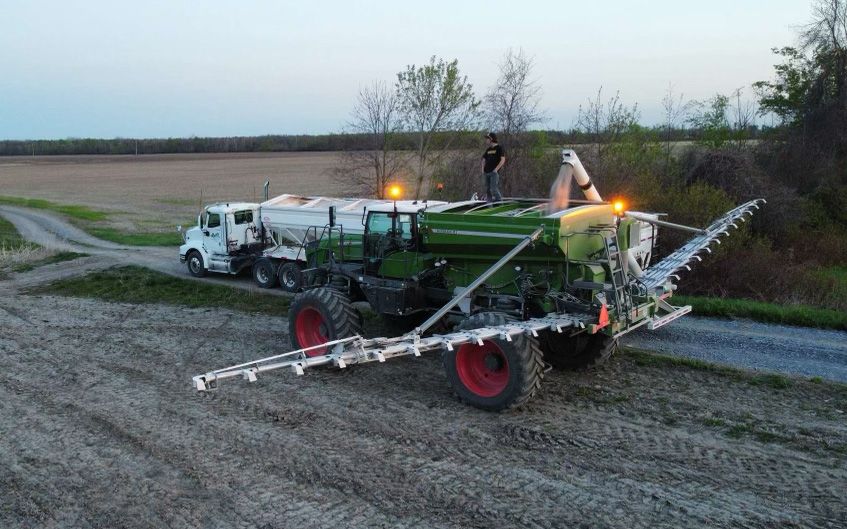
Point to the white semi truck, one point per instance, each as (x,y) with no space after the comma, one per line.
(268,237)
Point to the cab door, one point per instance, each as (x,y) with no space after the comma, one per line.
(213,233)
(388,234)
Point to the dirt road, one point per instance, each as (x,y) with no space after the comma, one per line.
(100,427)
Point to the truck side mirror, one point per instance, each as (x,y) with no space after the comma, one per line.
(332,216)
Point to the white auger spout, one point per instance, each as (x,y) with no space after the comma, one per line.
(570,159)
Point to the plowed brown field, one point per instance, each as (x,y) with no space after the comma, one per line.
(166,188)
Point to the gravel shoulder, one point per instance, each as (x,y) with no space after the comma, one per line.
(751,345)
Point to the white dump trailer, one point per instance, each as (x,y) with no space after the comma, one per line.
(268,237)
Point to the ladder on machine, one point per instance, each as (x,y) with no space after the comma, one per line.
(619,279)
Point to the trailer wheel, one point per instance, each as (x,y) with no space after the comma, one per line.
(291,277)
(498,374)
(264,273)
(582,351)
(194,261)
(321,315)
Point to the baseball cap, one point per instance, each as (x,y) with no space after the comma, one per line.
(491,136)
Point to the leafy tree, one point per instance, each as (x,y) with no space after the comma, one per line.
(786,96)
(436,102)
(809,93)
(711,118)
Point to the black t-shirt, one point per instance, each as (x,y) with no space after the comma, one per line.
(492,157)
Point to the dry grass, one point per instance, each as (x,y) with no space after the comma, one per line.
(20,255)
(13,257)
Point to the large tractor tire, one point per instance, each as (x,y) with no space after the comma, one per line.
(194,262)
(291,277)
(321,315)
(264,273)
(582,351)
(497,375)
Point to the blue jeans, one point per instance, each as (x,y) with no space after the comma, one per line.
(492,192)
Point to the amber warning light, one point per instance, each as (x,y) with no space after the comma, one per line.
(395,191)
(618,206)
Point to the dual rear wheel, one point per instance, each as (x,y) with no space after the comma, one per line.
(288,275)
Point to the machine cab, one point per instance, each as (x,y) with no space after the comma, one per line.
(391,234)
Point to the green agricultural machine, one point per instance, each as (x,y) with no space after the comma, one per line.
(502,290)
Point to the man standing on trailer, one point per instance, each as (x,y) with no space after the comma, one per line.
(493,159)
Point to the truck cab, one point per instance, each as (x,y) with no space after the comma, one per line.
(227,238)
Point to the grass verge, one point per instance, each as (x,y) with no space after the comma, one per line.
(87,219)
(133,284)
(75,212)
(154,238)
(50,259)
(801,315)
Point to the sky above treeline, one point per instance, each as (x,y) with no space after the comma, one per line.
(208,68)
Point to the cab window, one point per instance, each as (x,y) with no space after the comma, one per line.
(213,220)
(243,217)
(380,223)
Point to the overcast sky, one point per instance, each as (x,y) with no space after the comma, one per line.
(171,68)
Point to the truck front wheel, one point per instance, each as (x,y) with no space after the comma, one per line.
(194,261)
(319,316)
(498,374)
(264,273)
(291,276)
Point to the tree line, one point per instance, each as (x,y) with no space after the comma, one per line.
(292,142)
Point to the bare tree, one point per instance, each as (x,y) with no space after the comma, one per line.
(606,121)
(436,102)
(744,113)
(825,39)
(511,105)
(828,29)
(676,110)
(376,116)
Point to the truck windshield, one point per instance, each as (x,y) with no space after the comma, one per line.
(243,217)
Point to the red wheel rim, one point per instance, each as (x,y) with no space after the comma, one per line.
(310,329)
(483,369)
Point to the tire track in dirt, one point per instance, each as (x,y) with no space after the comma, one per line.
(111,417)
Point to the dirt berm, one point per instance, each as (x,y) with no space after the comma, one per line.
(100,427)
